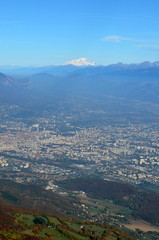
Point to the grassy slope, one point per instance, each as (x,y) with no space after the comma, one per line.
(16,223)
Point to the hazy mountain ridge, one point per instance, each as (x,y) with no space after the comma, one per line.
(68,68)
(5,81)
(129,81)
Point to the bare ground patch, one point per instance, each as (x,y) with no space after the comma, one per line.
(142,225)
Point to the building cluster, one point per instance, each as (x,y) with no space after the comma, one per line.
(50,149)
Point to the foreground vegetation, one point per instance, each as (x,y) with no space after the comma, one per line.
(130,199)
(104,212)
(16,223)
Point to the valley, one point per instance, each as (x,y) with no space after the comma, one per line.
(82,154)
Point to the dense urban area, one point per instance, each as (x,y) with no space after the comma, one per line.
(49,148)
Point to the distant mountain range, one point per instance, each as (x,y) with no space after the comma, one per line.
(128,81)
(72,66)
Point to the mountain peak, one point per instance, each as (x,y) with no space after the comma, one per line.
(80,62)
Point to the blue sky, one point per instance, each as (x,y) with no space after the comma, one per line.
(37,32)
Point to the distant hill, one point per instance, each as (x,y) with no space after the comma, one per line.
(5,81)
(119,81)
(127,81)
(42,82)
(8,88)
(61,70)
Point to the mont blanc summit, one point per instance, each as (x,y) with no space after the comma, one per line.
(80,62)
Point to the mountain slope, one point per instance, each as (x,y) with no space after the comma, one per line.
(139,84)
(130,82)
(16,223)
(35,197)
(144,204)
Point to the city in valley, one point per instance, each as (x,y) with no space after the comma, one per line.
(50,148)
